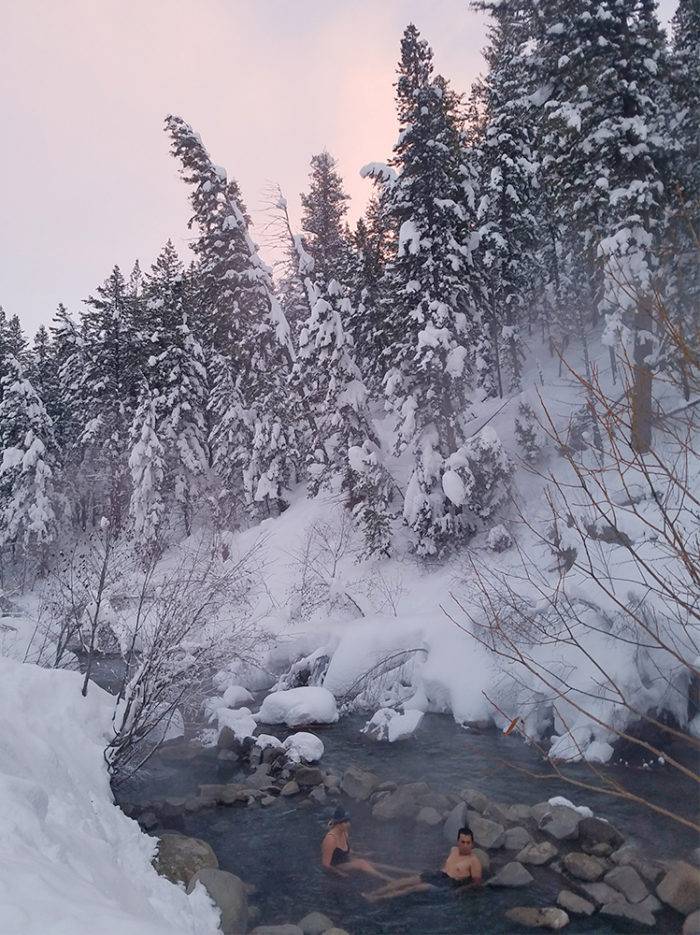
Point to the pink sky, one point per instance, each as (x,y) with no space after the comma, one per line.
(85,85)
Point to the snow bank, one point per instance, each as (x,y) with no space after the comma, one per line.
(72,862)
(298,706)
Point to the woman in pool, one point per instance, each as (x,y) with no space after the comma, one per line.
(335,850)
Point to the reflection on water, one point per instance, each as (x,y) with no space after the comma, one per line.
(277,848)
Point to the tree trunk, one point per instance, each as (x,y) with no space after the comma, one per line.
(641,388)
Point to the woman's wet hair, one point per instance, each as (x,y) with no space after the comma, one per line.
(467,831)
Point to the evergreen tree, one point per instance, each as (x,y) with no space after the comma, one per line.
(65,406)
(229,436)
(324,209)
(527,432)
(28,509)
(43,367)
(147,469)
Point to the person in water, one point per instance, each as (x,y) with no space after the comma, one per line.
(335,850)
(461,869)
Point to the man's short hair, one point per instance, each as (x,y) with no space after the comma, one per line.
(467,831)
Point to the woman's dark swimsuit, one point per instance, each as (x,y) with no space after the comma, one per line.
(340,856)
(442,880)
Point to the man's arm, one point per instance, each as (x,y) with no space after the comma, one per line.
(476,871)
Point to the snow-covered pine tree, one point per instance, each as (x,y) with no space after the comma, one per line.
(426,290)
(147,469)
(177,378)
(28,462)
(229,437)
(507,189)
(110,387)
(324,207)
(65,406)
(43,367)
(365,276)
(12,343)
(527,431)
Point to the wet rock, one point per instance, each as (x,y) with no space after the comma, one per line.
(229,895)
(537,854)
(583,866)
(576,904)
(287,929)
(318,795)
(517,838)
(538,811)
(260,779)
(487,833)
(548,917)
(428,816)
(315,923)
(597,850)
(290,788)
(636,915)
(561,823)
(519,813)
(267,800)
(680,888)
(455,820)
(308,776)
(483,859)
(387,786)
(435,800)
(513,874)
(148,820)
(195,804)
(593,831)
(212,792)
(179,858)
(628,882)
(629,856)
(227,740)
(651,903)
(602,893)
(496,812)
(475,800)
(359,784)
(691,926)
(402,803)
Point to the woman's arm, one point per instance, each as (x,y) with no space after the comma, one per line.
(327,850)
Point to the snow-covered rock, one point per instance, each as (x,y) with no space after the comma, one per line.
(72,861)
(388,724)
(240,721)
(236,696)
(298,706)
(303,746)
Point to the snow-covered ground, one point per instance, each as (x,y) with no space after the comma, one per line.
(72,862)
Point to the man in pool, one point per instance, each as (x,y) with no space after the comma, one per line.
(460,870)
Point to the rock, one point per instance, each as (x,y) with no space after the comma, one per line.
(602,893)
(621,909)
(287,929)
(387,786)
(229,894)
(537,854)
(318,795)
(680,888)
(178,857)
(597,850)
(227,740)
(487,833)
(455,820)
(651,903)
(315,923)
(517,838)
(628,882)
(290,788)
(519,812)
(513,874)
(335,931)
(402,803)
(195,804)
(576,904)
(497,813)
(691,926)
(435,800)
(308,776)
(593,831)
(268,800)
(359,783)
(583,866)
(629,856)
(475,799)
(148,820)
(428,816)
(483,859)
(260,779)
(548,917)
(561,823)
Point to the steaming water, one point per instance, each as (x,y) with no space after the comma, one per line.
(277,848)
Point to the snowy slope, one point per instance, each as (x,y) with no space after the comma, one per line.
(72,862)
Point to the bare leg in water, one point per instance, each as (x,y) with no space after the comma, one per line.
(400,887)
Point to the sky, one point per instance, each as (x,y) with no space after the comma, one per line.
(87,179)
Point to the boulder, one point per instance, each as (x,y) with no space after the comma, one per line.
(335,931)
(287,929)
(227,740)
(455,820)
(315,923)
(547,917)
(318,795)
(308,776)
(630,856)
(517,838)
(475,799)
(428,816)
(496,812)
(629,912)
(229,895)
(519,813)
(691,926)
(583,866)
(290,788)
(602,893)
(593,831)
(483,859)
(628,882)
(576,904)
(148,820)
(359,783)
(537,854)
(561,823)
(487,833)
(179,858)
(513,874)
(680,888)
(402,803)
(651,903)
